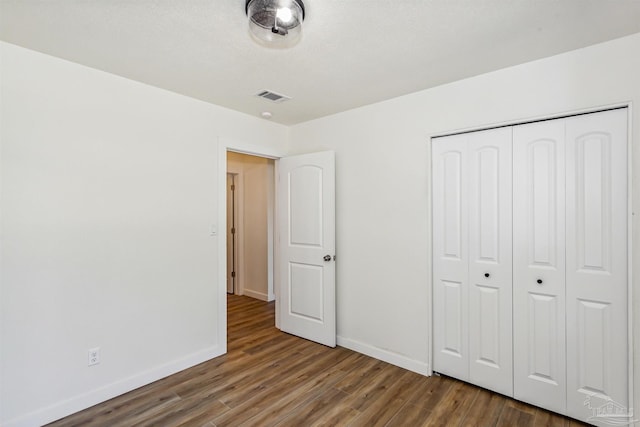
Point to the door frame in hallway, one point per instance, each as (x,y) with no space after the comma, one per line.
(224,146)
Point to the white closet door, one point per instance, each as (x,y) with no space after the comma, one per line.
(596,262)
(539,264)
(490,297)
(450,259)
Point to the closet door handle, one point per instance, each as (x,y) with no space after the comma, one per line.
(539,281)
(487,275)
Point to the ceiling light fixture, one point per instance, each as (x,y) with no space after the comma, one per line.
(276,23)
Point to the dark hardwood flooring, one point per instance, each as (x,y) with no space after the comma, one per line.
(269,378)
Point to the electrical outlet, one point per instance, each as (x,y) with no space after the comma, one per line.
(94,356)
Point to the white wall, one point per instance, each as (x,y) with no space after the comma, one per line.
(383,237)
(255,186)
(109,188)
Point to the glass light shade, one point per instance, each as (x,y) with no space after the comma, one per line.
(276,23)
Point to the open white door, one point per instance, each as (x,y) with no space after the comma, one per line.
(306,223)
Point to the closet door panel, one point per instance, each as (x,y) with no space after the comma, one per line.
(597,350)
(450,258)
(490,296)
(539,264)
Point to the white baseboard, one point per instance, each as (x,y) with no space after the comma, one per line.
(67,407)
(385,355)
(256,295)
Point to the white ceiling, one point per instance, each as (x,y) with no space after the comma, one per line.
(353,52)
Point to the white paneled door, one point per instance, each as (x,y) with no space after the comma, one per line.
(306,220)
(472,257)
(530,263)
(450,256)
(596,151)
(539,264)
(490,295)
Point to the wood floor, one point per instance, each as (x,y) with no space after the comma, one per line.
(269,378)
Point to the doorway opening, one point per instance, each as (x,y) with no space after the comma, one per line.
(250,226)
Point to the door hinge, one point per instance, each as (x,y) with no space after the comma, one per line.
(233,187)
(233,274)
(233,230)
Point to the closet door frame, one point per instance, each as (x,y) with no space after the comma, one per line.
(634,398)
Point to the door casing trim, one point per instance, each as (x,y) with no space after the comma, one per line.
(225,145)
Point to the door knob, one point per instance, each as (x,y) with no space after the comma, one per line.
(539,281)
(327,258)
(487,275)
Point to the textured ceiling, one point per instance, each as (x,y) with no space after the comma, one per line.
(352,53)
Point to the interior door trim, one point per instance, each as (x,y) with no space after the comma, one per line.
(224,145)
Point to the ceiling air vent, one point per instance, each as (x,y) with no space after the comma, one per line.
(272,96)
